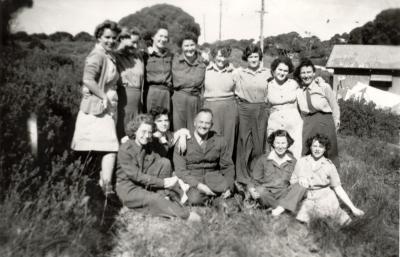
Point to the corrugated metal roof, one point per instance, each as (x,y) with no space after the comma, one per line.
(365,57)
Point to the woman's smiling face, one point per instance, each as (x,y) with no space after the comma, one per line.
(317,149)
(307,75)
(108,39)
(281,72)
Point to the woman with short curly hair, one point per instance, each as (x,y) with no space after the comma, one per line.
(282,93)
(95,128)
(219,95)
(319,108)
(144,178)
(319,175)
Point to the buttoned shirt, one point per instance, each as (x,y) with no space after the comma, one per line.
(322,99)
(219,83)
(282,96)
(317,174)
(268,173)
(133,163)
(188,77)
(252,85)
(131,69)
(158,68)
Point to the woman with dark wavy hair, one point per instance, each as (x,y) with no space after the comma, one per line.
(144,178)
(282,93)
(271,175)
(251,92)
(319,108)
(95,128)
(188,71)
(219,95)
(319,175)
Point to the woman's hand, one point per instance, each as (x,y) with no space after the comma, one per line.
(205,189)
(105,103)
(254,193)
(303,182)
(170,182)
(181,145)
(357,212)
(226,194)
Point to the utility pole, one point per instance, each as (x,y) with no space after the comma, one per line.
(262,12)
(220,19)
(204,27)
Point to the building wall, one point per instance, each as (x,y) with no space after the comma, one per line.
(363,76)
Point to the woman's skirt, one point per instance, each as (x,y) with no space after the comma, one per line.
(289,119)
(97,132)
(321,123)
(225,120)
(251,141)
(129,106)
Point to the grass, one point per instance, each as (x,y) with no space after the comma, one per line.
(257,233)
(51,205)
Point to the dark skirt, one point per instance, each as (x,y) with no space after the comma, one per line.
(129,106)
(252,137)
(184,107)
(225,120)
(321,123)
(158,97)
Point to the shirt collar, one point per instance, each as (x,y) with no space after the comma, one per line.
(153,52)
(274,157)
(253,72)
(196,62)
(213,66)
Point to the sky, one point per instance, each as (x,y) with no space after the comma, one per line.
(240,19)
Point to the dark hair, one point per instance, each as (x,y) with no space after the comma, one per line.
(157,111)
(322,139)
(148,35)
(127,32)
(188,35)
(134,124)
(251,49)
(107,24)
(225,51)
(280,133)
(305,62)
(205,110)
(282,59)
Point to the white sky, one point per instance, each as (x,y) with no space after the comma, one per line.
(240,19)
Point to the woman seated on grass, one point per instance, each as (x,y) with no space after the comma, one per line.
(319,175)
(144,178)
(163,139)
(271,174)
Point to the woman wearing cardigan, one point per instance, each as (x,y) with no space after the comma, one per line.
(95,128)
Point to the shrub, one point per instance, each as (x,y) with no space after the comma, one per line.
(363,119)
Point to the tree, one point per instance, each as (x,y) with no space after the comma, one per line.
(7,10)
(83,36)
(384,30)
(60,36)
(149,18)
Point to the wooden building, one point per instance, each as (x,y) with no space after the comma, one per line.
(374,65)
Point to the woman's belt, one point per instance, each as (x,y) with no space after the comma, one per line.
(320,112)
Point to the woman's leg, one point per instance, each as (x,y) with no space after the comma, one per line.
(107,168)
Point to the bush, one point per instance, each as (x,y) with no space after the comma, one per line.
(362,119)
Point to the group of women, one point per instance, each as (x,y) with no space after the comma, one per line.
(248,104)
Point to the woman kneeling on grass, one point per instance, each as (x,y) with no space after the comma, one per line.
(271,176)
(144,178)
(318,174)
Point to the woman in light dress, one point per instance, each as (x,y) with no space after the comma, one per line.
(282,96)
(319,175)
